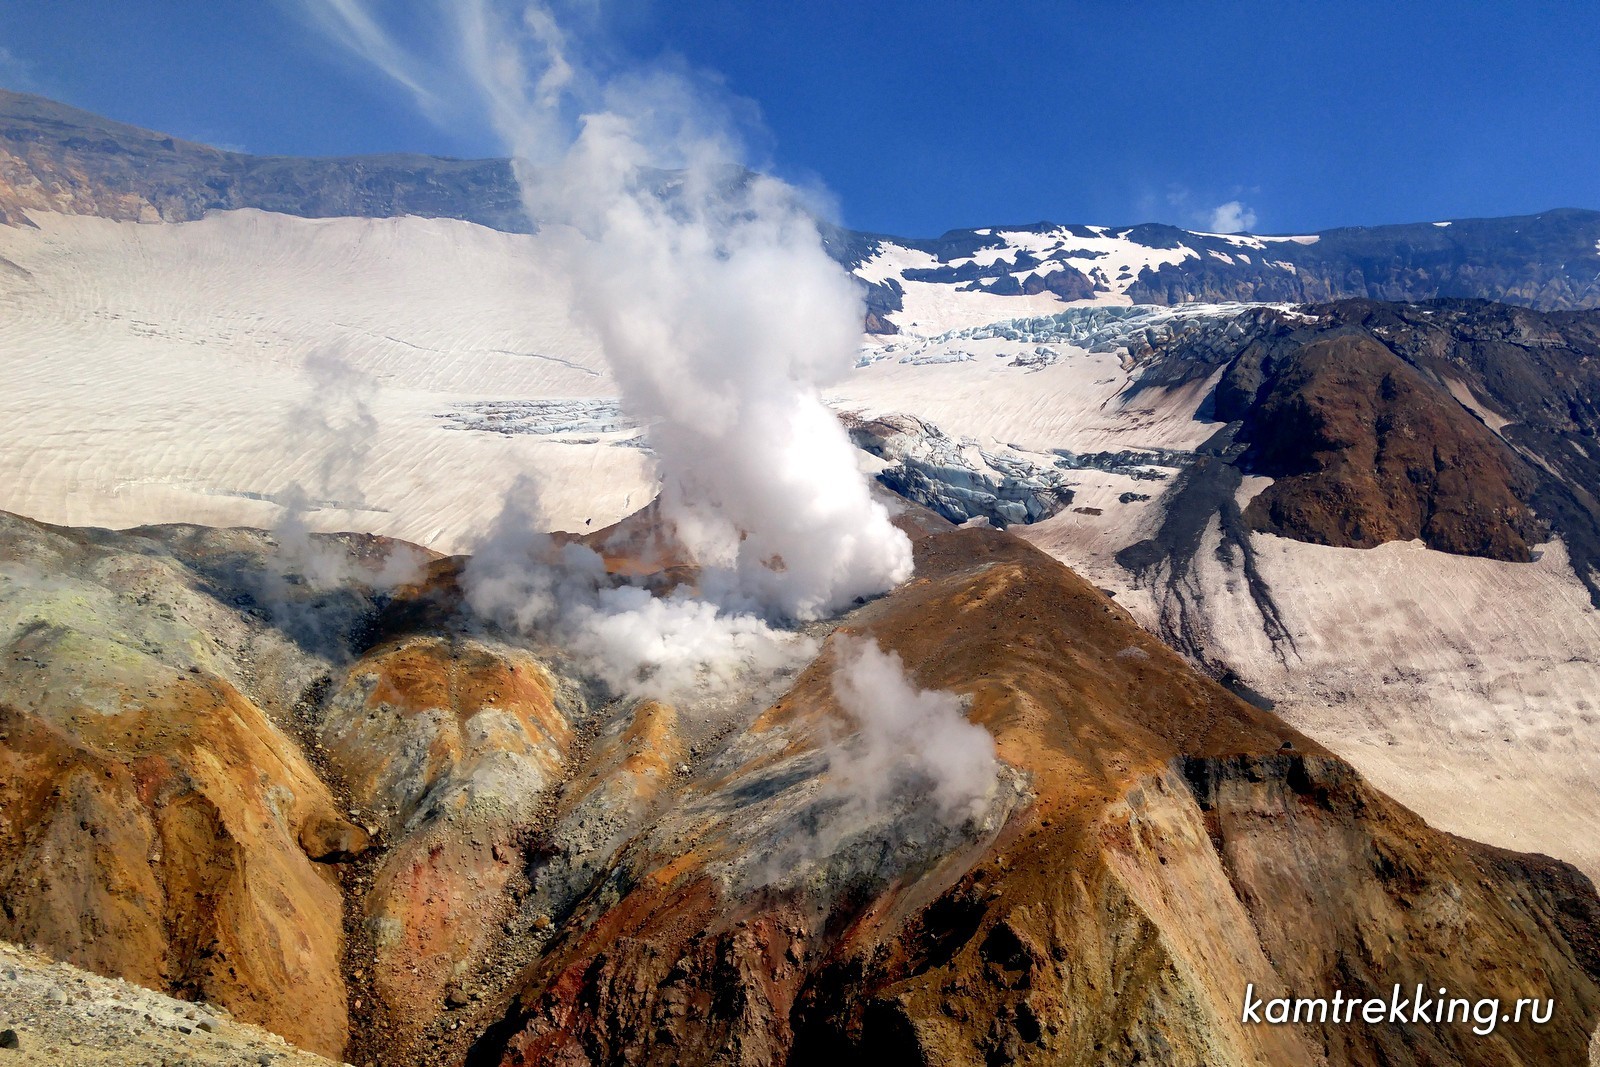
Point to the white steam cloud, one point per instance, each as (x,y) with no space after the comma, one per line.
(721,317)
(718,309)
(909,740)
(1232,217)
(672,647)
(719,312)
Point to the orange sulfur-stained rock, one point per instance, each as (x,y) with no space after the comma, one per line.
(160,841)
(155,821)
(454,743)
(1160,845)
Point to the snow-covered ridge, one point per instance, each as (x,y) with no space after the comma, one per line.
(980,276)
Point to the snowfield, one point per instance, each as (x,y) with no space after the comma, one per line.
(402,374)
(199,371)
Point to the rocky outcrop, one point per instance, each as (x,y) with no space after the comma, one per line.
(1065,282)
(1547,261)
(53,1014)
(1363,450)
(876,323)
(453,743)
(1529,377)
(1467,424)
(57,158)
(154,811)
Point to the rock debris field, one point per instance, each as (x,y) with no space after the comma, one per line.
(55,1015)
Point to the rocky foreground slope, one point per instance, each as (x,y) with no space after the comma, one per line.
(303,782)
(60,1016)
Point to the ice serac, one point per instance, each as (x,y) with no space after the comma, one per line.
(958,479)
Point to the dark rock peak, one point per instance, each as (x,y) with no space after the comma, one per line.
(1365,450)
(1467,423)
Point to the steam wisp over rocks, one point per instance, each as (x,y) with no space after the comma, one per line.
(335,426)
(908,738)
(668,647)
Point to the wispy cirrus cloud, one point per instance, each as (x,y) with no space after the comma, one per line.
(350,23)
(17,73)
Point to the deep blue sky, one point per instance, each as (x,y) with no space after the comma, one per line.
(923,115)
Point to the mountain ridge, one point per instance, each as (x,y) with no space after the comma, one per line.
(54,157)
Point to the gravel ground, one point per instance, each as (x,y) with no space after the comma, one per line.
(55,1015)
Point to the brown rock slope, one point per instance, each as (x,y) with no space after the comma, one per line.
(1470,425)
(558,877)
(1531,378)
(1366,450)
(1166,848)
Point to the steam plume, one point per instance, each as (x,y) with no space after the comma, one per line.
(719,312)
(721,316)
(672,647)
(909,739)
